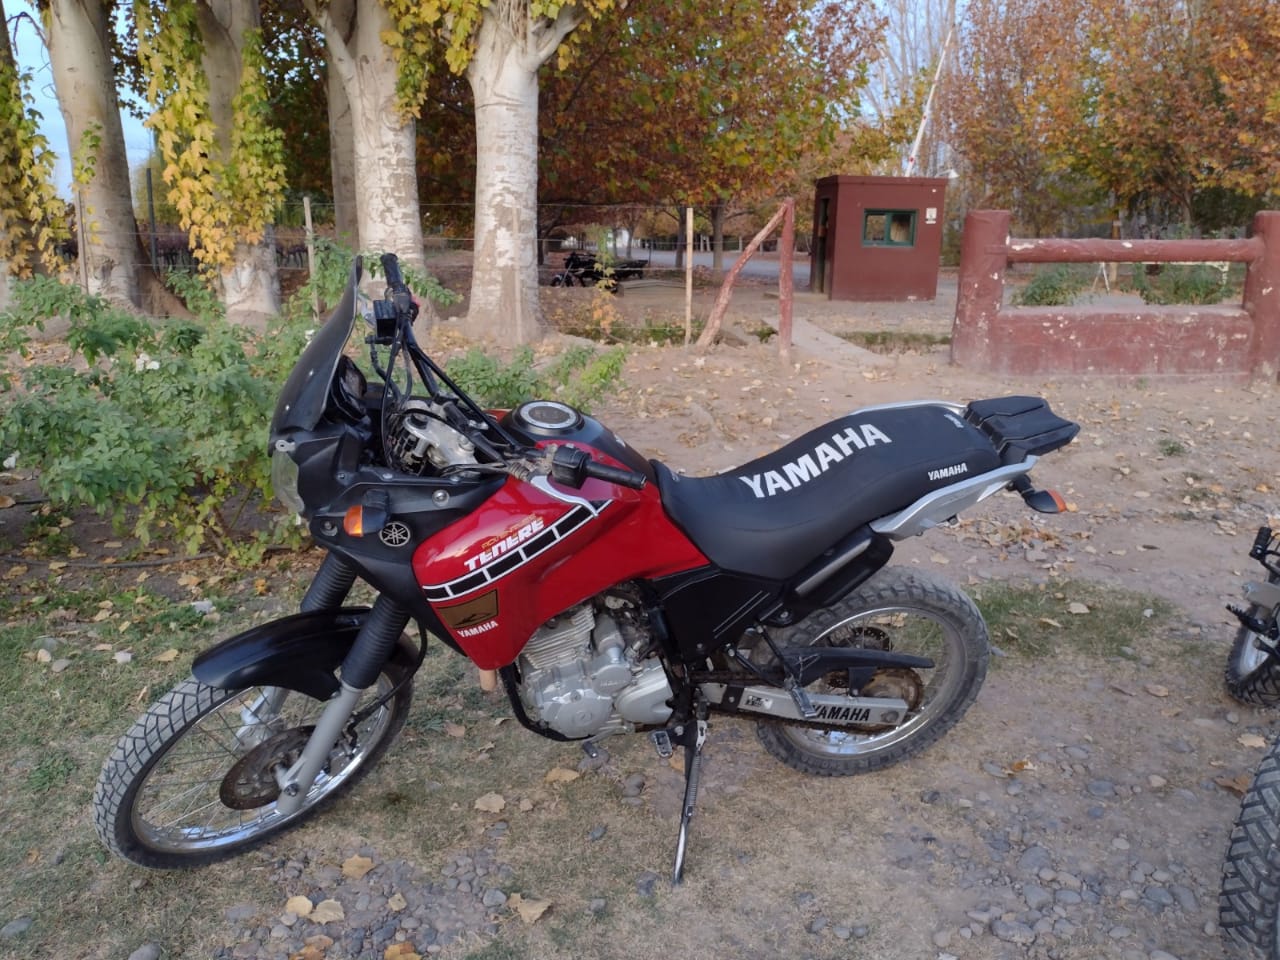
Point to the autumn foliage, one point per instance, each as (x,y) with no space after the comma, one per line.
(1140,105)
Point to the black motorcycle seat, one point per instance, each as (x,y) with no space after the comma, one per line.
(770,517)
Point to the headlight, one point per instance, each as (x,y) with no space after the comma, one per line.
(284,481)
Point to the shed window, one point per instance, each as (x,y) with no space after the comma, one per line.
(889,228)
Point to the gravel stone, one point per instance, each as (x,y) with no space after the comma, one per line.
(148,951)
(1012,932)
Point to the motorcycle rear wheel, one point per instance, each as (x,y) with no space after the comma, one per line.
(1249,898)
(907,611)
(190,783)
(1252,674)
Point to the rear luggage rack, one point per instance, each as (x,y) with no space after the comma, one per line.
(1020,427)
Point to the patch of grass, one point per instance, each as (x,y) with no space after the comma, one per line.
(52,771)
(1170,447)
(895,341)
(1047,621)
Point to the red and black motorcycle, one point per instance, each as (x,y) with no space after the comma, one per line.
(610,594)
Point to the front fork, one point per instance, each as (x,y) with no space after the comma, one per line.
(372,648)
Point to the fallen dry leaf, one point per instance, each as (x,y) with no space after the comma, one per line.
(455,729)
(561,775)
(327,911)
(401,951)
(396,902)
(530,911)
(1251,740)
(168,656)
(1239,784)
(299,906)
(44,656)
(1077,607)
(491,803)
(356,867)
(1156,689)
(1051,623)
(6,501)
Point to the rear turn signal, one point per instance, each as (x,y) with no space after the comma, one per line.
(1042,501)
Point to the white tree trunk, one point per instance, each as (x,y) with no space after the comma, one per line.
(250,285)
(503,73)
(82,76)
(504,275)
(388,218)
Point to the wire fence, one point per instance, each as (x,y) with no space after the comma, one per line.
(617,232)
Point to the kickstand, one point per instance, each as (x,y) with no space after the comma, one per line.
(692,737)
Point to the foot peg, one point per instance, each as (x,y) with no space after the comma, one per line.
(662,743)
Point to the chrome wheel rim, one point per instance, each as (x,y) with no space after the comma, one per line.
(179,808)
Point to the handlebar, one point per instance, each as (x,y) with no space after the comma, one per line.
(572,467)
(400,296)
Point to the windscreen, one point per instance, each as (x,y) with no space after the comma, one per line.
(302,401)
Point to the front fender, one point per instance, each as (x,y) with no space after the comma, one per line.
(301,653)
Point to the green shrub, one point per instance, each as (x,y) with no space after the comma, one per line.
(159,425)
(164,423)
(1055,287)
(1176,283)
(579,377)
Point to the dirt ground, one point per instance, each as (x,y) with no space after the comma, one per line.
(1103,785)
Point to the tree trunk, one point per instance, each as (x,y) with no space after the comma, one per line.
(504,277)
(342,160)
(509,48)
(717,237)
(82,75)
(383,154)
(250,284)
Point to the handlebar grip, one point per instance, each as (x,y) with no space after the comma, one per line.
(391,268)
(623,478)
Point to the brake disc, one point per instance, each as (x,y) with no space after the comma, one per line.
(251,781)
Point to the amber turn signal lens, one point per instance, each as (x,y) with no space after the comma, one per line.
(353,522)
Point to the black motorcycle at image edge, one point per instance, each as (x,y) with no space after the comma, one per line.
(1249,897)
(610,594)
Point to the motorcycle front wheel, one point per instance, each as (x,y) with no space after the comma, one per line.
(1253,674)
(905,611)
(1249,897)
(193,781)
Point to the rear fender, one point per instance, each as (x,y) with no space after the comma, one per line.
(301,653)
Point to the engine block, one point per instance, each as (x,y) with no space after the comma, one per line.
(579,677)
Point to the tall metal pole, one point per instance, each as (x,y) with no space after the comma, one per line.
(913,157)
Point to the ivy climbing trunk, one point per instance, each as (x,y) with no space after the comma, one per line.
(79,52)
(383,139)
(250,281)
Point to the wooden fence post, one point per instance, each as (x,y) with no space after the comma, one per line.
(983,257)
(786,282)
(1262,295)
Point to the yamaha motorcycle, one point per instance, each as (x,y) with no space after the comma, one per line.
(609,593)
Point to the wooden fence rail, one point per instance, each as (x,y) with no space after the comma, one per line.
(1109,338)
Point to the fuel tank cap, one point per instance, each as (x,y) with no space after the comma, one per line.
(547,417)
